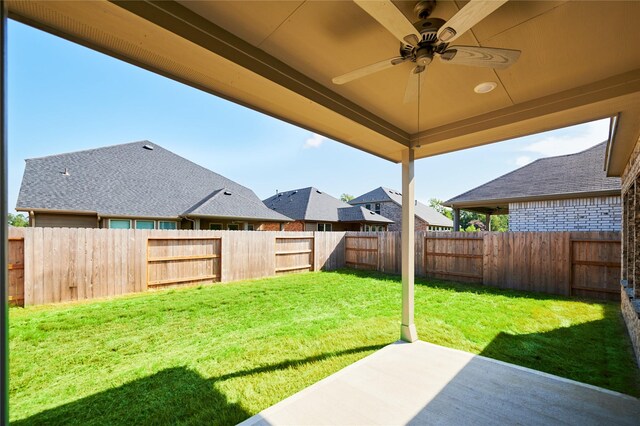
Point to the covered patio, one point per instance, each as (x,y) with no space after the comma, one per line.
(422,383)
(281,58)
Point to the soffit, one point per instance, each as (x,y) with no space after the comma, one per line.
(568,49)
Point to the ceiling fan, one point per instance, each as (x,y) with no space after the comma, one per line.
(429,37)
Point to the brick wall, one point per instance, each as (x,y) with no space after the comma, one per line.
(298,225)
(578,214)
(630,308)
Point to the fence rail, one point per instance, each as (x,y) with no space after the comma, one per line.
(50,265)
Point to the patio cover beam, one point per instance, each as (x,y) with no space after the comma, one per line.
(408,331)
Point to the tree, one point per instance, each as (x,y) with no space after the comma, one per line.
(437,205)
(17,220)
(346,197)
(500,223)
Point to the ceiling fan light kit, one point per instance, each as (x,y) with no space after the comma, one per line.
(429,37)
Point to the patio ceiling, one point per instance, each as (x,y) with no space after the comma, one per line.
(579,62)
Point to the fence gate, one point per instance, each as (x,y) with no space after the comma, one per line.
(16,271)
(595,268)
(183,261)
(361,252)
(294,254)
(457,257)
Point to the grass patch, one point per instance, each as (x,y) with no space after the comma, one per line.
(219,354)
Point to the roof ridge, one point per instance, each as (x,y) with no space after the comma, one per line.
(97,149)
(206,199)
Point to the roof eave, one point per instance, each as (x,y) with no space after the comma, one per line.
(480,203)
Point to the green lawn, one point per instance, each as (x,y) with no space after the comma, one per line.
(218,354)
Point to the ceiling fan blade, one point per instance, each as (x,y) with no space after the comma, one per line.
(414,83)
(388,15)
(476,56)
(369,69)
(474,12)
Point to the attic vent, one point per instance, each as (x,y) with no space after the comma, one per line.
(149,147)
(372,212)
(294,192)
(227,193)
(279,195)
(66,172)
(318,192)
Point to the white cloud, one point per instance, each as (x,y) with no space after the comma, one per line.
(575,140)
(523,160)
(314,141)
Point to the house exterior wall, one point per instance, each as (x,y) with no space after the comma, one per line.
(392,211)
(631,247)
(300,225)
(576,214)
(52,220)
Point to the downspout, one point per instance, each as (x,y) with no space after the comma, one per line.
(192,221)
(32,219)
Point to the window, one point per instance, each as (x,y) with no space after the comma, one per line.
(119,224)
(367,228)
(377,208)
(167,225)
(367,206)
(250,227)
(233,227)
(215,226)
(145,224)
(324,227)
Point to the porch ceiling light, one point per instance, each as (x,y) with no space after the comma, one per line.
(485,87)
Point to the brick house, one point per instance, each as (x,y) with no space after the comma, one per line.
(388,203)
(563,193)
(314,210)
(136,185)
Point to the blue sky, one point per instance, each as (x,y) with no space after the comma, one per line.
(63,97)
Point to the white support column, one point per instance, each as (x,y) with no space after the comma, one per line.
(408,331)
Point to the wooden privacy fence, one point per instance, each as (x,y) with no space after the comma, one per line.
(16,271)
(50,265)
(175,260)
(584,264)
(458,258)
(361,252)
(595,267)
(294,254)
(62,264)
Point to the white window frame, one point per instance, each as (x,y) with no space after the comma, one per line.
(233,224)
(377,208)
(175,223)
(324,227)
(251,227)
(135,224)
(121,220)
(218,224)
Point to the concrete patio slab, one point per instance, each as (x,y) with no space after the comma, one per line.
(422,383)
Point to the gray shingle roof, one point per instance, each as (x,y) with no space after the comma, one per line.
(311,204)
(571,174)
(130,180)
(424,212)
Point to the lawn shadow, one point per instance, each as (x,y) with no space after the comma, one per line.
(587,352)
(176,395)
(486,392)
(461,287)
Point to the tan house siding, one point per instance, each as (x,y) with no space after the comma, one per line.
(53,220)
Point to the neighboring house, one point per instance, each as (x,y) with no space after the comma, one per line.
(136,185)
(314,210)
(388,203)
(564,193)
